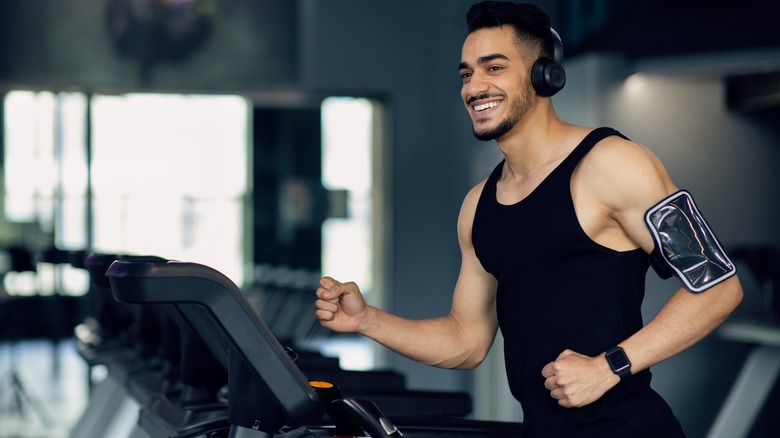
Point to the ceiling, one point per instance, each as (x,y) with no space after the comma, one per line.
(661,28)
(738,41)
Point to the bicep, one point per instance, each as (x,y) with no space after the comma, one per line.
(641,182)
(474,298)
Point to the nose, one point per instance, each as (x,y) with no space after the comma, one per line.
(475,86)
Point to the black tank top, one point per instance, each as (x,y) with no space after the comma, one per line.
(559,289)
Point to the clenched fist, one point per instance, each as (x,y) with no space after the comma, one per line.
(340,306)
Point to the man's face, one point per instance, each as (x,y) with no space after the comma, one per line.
(496,84)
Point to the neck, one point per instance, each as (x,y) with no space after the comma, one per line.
(535,141)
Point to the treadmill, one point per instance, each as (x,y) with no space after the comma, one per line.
(268,395)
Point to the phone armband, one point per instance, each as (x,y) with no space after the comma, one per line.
(685,245)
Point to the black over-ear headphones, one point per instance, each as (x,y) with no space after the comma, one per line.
(547,75)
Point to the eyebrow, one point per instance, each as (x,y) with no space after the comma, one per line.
(483,60)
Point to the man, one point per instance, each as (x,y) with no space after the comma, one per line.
(555,245)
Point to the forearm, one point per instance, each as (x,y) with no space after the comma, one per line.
(576,380)
(438,342)
(684,320)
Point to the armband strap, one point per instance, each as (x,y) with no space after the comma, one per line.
(685,245)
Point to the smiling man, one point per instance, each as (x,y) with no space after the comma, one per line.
(555,245)
(486,104)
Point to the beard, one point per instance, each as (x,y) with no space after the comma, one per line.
(497,131)
(518,110)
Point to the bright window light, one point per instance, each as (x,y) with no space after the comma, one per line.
(169,177)
(46,180)
(347,139)
(71,229)
(30,171)
(348,136)
(168,173)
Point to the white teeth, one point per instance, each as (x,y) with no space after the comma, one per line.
(485,106)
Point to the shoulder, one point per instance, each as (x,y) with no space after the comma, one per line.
(470,201)
(468,210)
(612,151)
(625,174)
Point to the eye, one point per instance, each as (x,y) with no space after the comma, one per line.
(495,68)
(465,75)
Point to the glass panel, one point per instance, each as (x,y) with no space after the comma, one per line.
(46,180)
(347,128)
(71,229)
(347,145)
(169,177)
(30,171)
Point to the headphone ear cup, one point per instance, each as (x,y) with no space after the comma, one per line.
(547,76)
(555,77)
(537,75)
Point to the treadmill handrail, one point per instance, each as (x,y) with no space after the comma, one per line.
(239,325)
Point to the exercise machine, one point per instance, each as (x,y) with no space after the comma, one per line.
(268,395)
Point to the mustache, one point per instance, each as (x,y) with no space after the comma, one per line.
(473,99)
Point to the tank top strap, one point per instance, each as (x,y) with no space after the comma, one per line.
(495,175)
(587,144)
(565,168)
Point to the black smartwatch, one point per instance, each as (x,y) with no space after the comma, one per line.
(619,362)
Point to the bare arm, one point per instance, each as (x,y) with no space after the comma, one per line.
(458,340)
(687,317)
(640,182)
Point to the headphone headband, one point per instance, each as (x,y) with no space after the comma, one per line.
(557,47)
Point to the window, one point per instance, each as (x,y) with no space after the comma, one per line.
(45,184)
(167,177)
(347,141)
(350,247)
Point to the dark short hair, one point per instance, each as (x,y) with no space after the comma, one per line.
(531,24)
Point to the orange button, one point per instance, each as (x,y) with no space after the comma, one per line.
(321,384)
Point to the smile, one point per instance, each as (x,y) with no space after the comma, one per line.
(484,106)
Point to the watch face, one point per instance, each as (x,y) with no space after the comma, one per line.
(618,360)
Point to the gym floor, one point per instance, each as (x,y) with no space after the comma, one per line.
(43,389)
